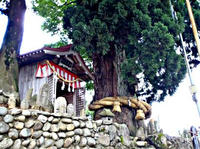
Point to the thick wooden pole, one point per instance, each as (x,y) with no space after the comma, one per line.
(194,28)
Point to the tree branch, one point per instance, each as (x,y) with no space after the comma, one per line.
(66,3)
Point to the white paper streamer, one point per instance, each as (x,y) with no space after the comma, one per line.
(63,86)
(69,89)
(73,84)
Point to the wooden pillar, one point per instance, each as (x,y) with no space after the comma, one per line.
(194,28)
(74,101)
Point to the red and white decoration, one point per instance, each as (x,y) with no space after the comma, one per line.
(43,70)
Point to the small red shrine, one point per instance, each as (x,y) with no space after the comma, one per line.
(60,71)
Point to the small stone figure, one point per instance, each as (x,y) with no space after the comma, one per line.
(70,109)
(43,100)
(82,113)
(60,105)
(141,130)
(151,128)
(25,102)
(33,100)
(12,100)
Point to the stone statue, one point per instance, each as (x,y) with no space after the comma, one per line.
(13,99)
(33,100)
(151,128)
(25,102)
(43,101)
(82,113)
(70,109)
(60,105)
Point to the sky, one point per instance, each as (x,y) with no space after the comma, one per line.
(33,38)
(177,112)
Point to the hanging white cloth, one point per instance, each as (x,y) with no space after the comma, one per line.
(63,86)
(69,84)
(73,84)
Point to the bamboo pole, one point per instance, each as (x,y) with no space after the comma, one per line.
(192,87)
(194,28)
(195,33)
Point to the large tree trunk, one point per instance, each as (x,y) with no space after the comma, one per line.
(108,83)
(11,46)
(105,74)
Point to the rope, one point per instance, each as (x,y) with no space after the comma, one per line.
(60,77)
(129,102)
(123,101)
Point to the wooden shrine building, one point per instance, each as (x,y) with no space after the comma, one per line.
(58,71)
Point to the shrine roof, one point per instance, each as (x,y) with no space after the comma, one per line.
(65,53)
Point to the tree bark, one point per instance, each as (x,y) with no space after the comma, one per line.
(11,46)
(109,83)
(105,74)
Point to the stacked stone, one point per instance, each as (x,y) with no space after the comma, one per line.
(33,129)
(36,129)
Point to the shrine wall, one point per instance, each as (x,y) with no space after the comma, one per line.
(27,80)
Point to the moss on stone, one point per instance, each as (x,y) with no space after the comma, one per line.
(122,139)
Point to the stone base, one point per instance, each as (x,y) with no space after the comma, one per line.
(20,129)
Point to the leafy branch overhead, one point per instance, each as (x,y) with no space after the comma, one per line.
(143,33)
(53,11)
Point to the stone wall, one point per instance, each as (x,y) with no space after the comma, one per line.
(35,129)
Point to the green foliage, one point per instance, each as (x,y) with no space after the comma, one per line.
(144,29)
(157,139)
(191,49)
(122,139)
(53,11)
(57,44)
(90,85)
(102,129)
(90,113)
